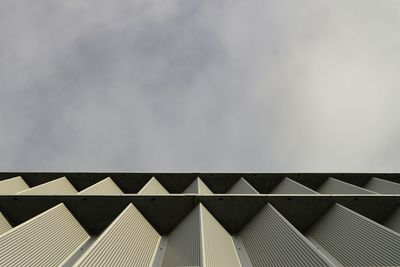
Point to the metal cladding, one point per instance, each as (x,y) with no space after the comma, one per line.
(334,186)
(104,187)
(12,185)
(199,240)
(383,186)
(355,240)
(270,240)
(198,187)
(393,222)
(199,219)
(45,240)
(129,241)
(242,187)
(59,186)
(288,186)
(4,225)
(153,187)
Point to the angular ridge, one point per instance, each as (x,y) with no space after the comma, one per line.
(153,187)
(45,240)
(60,186)
(104,187)
(12,185)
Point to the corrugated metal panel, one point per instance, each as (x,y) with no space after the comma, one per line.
(242,187)
(288,186)
(383,186)
(334,186)
(393,222)
(218,248)
(45,240)
(183,247)
(4,224)
(12,185)
(104,187)
(129,241)
(198,187)
(241,251)
(153,187)
(60,186)
(355,240)
(270,240)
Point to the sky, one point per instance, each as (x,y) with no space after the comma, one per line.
(187,86)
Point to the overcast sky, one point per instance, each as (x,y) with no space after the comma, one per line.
(200,85)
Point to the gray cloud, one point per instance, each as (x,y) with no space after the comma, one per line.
(200,86)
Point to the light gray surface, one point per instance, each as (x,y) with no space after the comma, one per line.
(270,240)
(393,222)
(153,187)
(183,247)
(104,187)
(288,186)
(241,251)
(45,240)
(12,185)
(218,249)
(242,187)
(355,240)
(129,241)
(4,224)
(198,187)
(60,186)
(383,186)
(334,186)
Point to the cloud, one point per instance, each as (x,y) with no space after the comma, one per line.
(200,86)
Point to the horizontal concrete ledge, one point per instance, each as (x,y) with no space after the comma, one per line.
(132,182)
(164,212)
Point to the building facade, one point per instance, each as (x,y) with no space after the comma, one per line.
(199,219)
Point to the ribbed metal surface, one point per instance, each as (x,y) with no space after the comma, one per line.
(183,245)
(60,186)
(104,187)
(383,186)
(4,225)
(218,248)
(242,187)
(288,186)
(270,240)
(198,187)
(355,240)
(334,186)
(45,240)
(12,185)
(153,187)
(129,241)
(393,222)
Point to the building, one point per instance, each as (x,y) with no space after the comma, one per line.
(199,219)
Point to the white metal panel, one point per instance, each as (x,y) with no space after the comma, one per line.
(12,185)
(198,187)
(355,240)
(129,241)
(104,187)
(45,240)
(4,224)
(242,187)
(288,186)
(183,245)
(334,186)
(60,186)
(383,186)
(270,240)
(153,187)
(218,248)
